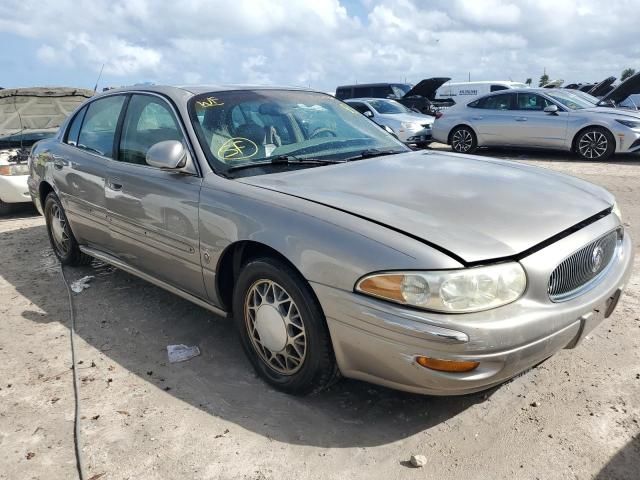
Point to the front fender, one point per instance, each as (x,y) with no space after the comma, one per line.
(327,246)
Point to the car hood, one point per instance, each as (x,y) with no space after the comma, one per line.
(25,110)
(408,117)
(475,208)
(599,89)
(618,112)
(630,86)
(427,87)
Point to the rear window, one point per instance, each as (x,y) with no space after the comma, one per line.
(99,126)
(495,88)
(343,93)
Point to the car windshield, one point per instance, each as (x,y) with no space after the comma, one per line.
(572,100)
(240,128)
(388,106)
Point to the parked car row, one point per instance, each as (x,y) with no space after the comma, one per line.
(334,247)
(554,118)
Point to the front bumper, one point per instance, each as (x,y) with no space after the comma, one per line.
(414,136)
(378,342)
(14,189)
(628,141)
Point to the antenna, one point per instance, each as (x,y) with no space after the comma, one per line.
(95,89)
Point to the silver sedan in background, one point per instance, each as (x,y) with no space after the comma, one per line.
(409,126)
(540,118)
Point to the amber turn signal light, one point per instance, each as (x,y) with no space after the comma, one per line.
(447,365)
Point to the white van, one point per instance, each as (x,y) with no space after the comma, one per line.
(461,91)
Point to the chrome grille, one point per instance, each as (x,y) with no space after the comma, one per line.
(580,270)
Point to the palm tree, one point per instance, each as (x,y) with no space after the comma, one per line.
(528,81)
(544,79)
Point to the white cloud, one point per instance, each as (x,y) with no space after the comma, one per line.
(326,42)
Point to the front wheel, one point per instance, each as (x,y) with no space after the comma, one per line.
(595,144)
(282,327)
(463,140)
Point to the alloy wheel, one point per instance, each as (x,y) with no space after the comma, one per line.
(275,327)
(462,140)
(593,144)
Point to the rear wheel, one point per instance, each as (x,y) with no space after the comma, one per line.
(63,242)
(463,140)
(595,143)
(282,328)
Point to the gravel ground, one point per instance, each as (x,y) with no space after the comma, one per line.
(574,417)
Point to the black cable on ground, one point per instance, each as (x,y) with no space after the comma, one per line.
(76,419)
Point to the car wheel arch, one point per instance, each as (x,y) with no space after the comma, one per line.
(234,257)
(583,129)
(453,129)
(43,190)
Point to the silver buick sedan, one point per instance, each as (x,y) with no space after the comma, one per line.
(555,118)
(335,249)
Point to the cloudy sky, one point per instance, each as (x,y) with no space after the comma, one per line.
(317,43)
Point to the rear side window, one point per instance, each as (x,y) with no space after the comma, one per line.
(74,128)
(359,92)
(99,126)
(495,88)
(343,93)
(382,91)
(149,120)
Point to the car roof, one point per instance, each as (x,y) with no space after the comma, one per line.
(371,84)
(198,89)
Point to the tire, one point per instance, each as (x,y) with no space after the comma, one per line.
(62,240)
(5,208)
(295,356)
(594,143)
(463,140)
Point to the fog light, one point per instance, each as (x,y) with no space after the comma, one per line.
(447,365)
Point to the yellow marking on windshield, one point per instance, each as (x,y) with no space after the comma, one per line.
(238,148)
(210,102)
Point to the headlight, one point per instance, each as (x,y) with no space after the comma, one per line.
(616,210)
(410,125)
(454,291)
(629,123)
(14,169)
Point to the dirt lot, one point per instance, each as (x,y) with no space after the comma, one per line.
(575,416)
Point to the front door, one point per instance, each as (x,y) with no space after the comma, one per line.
(153,213)
(532,127)
(490,117)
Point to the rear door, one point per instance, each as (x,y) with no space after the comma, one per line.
(532,127)
(81,166)
(490,117)
(153,213)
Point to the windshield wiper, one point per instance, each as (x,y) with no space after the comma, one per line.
(373,152)
(284,160)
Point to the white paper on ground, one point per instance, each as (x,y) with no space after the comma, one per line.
(82,283)
(181,353)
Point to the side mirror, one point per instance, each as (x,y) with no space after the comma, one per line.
(552,109)
(169,154)
(368,114)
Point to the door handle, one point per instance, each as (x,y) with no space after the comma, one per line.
(114,184)
(521,119)
(476,118)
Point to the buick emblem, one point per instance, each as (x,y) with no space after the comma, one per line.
(596,258)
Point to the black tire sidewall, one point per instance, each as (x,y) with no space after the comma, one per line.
(319,356)
(68,259)
(611,144)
